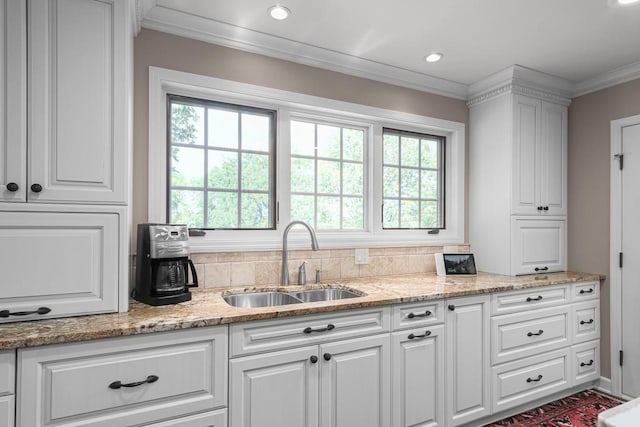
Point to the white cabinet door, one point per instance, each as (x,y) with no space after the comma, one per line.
(355,383)
(275,389)
(7,410)
(58,264)
(78,68)
(13,91)
(468,386)
(526,134)
(553,159)
(538,246)
(418,377)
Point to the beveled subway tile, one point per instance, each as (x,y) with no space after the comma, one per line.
(400,264)
(217,275)
(267,272)
(342,253)
(262,256)
(348,268)
(383,266)
(330,269)
(230,256)
(204,258)
(243,273)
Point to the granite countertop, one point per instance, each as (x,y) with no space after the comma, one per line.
(207,307)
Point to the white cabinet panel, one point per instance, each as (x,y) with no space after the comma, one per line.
(586,291)
(7,411)
(529,299)
(7,372)
(417,314)
(586,321)
(64,262)
(208,419)
(526,128)
(418,377)
(538,246)
(553,159)
(586,362)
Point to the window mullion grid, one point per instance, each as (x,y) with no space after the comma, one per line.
(239,181)
(420,183)
(315,177)
(341,197)
(399,181)
(205,196)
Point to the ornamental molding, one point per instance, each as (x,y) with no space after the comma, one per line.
(514,88)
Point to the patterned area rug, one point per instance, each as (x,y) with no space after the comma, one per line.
(578,410)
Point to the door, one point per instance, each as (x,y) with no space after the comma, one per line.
(355,383)
(538,246)
(468,386)
(630,273)
(526,134)
(275,389)
(553,159)
(418,377)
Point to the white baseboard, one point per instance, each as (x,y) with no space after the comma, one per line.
(604,385)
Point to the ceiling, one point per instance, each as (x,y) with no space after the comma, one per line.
(586,42)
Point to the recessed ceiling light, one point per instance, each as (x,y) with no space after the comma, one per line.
(279,12)
(433,57)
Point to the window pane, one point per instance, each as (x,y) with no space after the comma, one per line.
(353,213)
(429,215)
(223,210)
(353,144)
(391,182)
(409,183)
(328,177)
(187,124)
(409,214)
(223,169)
(255,172)
(255,132)
(303,208)
(352,179)
(187,208)
(187,167)
(302,175)
(429,153)
(410,151)
(255,210)
(223,128)
(429,184)
(391,154)
(303,138)
(391,214)
(328,213)
(329,141)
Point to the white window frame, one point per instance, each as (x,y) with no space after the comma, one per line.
(291,105)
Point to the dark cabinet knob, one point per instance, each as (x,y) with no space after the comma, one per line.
(36,188)
(313,359)
(546,208)
(327,356)
(12,186)
(539,208)
(451,307)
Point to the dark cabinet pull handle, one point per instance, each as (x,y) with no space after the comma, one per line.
(531,380)
(541,268)
(587,364)
(538,298)
(309,329)
(413,336)
(117,384)
(425,314)
(586,322)
(41,310)
(313,359)
(530,334)
(451,307)
(326,356)
(582,291)
(12,186)
(36,188)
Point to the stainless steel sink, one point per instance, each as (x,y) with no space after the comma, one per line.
(325,295)
(260,299)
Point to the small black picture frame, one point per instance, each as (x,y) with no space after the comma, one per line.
(459,264)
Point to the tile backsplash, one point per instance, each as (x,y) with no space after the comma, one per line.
(226,269)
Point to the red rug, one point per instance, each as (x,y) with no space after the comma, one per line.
(578,410)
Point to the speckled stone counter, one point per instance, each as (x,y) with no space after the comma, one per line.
(207,307)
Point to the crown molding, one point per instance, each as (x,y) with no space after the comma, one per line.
(181,24)
(610,78)
(142,9)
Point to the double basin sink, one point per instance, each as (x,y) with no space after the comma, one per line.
(271,299)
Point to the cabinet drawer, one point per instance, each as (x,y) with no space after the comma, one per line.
(7,411)
(586,291)
(586,321)
(528,379)
(7,372)
(528,299)
(525,334)
(111,382)
(585,358)
(417,314)
(253,337)
(538,246)
(208,419)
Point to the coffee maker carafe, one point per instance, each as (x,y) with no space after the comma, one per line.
(163,265)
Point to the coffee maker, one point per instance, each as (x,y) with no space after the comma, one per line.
(163,265)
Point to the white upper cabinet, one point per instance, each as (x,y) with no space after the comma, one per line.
(78,110)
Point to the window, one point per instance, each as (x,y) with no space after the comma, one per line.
(221,168)
(412,175)
(327,175)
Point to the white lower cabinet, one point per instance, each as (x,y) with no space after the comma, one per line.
(7,387)
(7,410)
(538,245)
(418,377)
(208,419)
(467,385)
(585,360)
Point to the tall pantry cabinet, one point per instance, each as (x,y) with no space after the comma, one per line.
(518,172)
(65,141)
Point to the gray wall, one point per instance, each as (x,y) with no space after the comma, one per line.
(589,187)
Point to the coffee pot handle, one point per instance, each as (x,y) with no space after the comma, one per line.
(194,283)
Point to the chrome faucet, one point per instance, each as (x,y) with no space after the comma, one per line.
(314,245)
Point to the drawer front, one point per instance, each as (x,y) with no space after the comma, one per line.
(417,314)
(520,382)
(267,335)
(529,299)
(586,291)
(586,362)
(586,321)
(7,372)
(208,419)
(7,411)
(125,381)
(521,335)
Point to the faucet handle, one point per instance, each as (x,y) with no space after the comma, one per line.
(317,276)
(302,274)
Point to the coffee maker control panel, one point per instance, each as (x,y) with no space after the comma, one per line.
(169,241)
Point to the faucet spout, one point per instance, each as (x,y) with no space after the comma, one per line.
(314,245)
